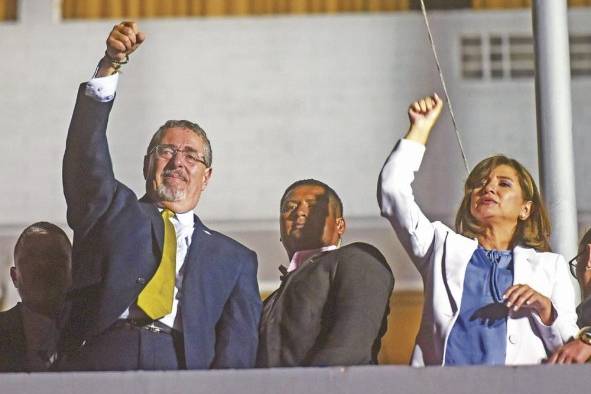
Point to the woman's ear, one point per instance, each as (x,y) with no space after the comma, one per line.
(526,209)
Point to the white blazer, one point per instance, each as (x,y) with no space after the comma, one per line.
(442,256)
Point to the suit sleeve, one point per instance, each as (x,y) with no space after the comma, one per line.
(237,330)
(87,172)
(398,205)
(360,296)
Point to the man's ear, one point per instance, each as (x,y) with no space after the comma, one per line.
(146,166)
(14,276)
(206,177)
(588,262)
(341,226)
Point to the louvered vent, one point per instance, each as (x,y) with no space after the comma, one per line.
(580,55)
(511,56)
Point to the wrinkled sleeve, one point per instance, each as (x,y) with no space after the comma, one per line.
(397,202)
(564,326)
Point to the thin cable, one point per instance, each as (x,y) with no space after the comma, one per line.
(451,111)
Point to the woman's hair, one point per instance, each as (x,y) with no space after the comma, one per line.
(533,232)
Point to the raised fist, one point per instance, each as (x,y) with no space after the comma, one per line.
(424,113)
(123,40)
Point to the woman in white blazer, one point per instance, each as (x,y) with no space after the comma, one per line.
(502,212)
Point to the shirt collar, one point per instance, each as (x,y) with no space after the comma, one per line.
(185,219)
(301,256)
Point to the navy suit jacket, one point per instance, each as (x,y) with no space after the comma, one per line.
(13,346)
(118,245)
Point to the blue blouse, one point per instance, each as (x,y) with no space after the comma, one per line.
(479,335)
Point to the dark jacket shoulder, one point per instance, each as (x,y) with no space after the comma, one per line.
(361,253)
(224,244)
(12,341)
(584,312)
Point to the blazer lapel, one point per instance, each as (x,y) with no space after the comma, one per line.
(522,265)
(152,212)
(197,257)
(522,274)
(201,290)
(197,244)
(458,251)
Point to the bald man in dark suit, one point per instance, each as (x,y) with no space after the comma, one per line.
(29,332)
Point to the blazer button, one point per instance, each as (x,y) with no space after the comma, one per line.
(513,339)
(140,280)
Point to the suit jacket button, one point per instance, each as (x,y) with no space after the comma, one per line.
(140,280)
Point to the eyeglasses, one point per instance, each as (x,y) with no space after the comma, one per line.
(189,155)
(572,264)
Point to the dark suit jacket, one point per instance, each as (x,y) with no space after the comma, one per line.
(13,357)
(118,245)
(584,313)
(331,311)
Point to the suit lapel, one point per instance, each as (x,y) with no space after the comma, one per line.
(196,250)
(152,212)
(199,286)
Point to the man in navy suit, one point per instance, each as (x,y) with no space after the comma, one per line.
(29,332)
(120,247)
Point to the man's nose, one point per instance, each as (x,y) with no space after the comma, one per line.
(177,158)
(302,209)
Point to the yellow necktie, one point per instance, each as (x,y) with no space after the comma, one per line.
(156,298)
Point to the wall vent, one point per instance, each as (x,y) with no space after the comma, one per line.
(498,56)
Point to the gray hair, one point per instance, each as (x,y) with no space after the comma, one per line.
(185,124)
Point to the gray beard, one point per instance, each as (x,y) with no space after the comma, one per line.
(171,195)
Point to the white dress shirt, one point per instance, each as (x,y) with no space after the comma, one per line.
(300,257)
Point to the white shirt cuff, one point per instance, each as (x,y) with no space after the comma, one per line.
(102,89)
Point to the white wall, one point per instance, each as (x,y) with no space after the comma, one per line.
(282,98)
